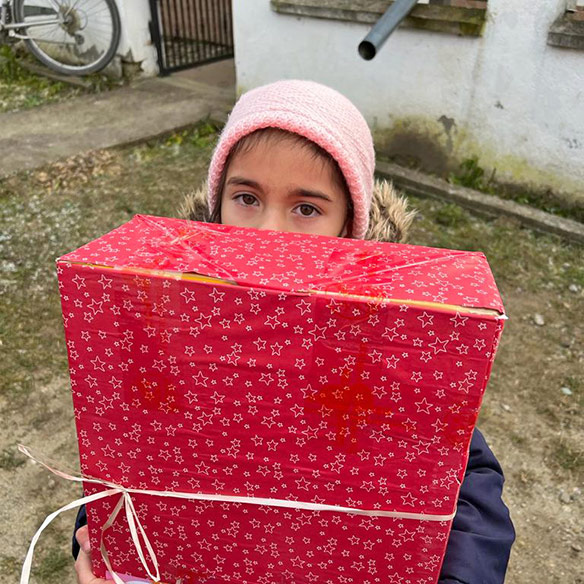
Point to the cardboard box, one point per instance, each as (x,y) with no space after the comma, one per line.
(220,360)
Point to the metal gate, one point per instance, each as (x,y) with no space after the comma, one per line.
(188,33)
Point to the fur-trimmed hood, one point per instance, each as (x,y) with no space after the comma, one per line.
(389,219)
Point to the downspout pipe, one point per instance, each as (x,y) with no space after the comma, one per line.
(390,20)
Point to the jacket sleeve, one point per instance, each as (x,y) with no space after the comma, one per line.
(80,521)
(482,532)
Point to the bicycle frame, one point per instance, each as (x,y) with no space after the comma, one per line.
(61,34)
(12,27)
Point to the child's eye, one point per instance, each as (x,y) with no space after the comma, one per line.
(245,199)
(308,210)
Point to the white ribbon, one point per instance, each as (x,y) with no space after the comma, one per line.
(137,530)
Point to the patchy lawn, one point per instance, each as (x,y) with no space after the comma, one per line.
(532,413)
(22,89)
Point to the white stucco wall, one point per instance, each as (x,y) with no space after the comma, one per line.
(516,103)
(135,43)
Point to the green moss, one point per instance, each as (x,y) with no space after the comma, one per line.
(473,25)
(441,147)
(470,29)
(416,142)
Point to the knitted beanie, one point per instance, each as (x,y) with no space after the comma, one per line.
(317,113)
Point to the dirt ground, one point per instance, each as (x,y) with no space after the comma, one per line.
(533,409)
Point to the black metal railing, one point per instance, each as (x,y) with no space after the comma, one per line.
(188,33)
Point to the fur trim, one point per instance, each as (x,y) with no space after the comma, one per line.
(194,205)
(390,218)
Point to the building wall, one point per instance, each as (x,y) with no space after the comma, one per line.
(136,46)
(506,97)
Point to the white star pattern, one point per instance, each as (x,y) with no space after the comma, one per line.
(269,391)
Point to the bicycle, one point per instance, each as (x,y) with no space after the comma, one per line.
(71,37)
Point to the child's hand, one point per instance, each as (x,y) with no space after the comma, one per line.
(83,562)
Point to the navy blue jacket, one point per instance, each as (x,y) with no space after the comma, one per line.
(482,532)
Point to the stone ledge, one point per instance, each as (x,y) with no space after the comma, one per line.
(423,185)
(460,17)
(568,31)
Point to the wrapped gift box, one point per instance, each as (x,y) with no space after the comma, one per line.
(220,360)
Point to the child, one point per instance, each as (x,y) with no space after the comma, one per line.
(298,156)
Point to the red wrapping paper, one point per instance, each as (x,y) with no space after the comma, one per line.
(318,370)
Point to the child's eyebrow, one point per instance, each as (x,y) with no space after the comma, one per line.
(310,194)
(239,180)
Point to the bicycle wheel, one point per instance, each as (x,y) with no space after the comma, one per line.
(74,37)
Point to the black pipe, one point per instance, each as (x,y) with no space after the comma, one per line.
(384,27)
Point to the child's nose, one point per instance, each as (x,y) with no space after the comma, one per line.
(274,221)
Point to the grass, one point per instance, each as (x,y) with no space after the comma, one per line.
(517,439)
(52,562)
(518,256)
(451,215)
(471,175)
(535,273)
(21,89)
(49,565)
(10,458)
(48,212)
(60,207)
(567,456)
(53,210)
(9,565)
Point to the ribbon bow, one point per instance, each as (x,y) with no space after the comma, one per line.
(137,530)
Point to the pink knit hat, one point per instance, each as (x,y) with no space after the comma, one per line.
(316,112)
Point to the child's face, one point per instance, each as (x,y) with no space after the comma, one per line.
(280,185)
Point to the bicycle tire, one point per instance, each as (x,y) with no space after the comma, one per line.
(66,55)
